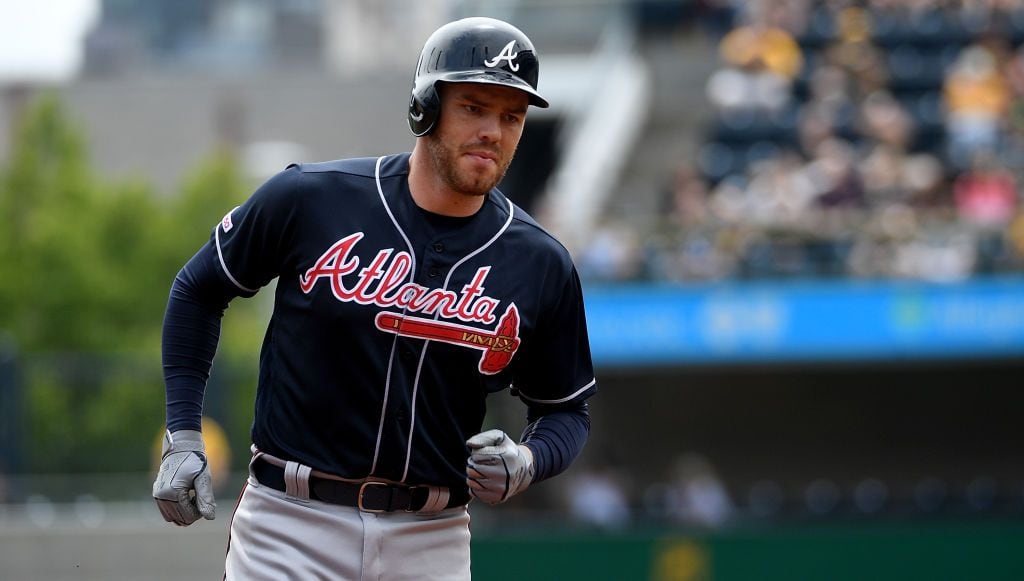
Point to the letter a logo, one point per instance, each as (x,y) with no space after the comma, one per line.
(506,54)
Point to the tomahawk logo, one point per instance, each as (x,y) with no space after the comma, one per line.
(498,346)
(506,54)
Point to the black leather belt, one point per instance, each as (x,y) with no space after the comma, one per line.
(367,496)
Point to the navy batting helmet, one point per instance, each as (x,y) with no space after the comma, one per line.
(471,50)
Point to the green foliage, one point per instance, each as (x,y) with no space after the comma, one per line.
(92,414)
(75,271)
(50,408)
(85,269)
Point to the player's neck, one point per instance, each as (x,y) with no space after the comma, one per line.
(430,193)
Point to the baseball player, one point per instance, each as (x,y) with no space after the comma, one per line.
(409,290)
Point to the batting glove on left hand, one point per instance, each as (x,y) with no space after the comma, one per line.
(498,467)
(183,488)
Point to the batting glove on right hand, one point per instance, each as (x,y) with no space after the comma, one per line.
(183,488)
(498,467)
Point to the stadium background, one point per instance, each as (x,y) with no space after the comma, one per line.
(799,224)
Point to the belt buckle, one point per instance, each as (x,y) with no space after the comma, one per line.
(362,491)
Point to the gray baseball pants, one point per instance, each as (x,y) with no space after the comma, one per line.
(274,537)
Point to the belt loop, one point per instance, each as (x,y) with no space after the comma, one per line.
(296,480)
(256,454)
(437,500)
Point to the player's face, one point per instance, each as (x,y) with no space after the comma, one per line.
(477,135)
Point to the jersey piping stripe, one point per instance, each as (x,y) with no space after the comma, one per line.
(384,406)
(423,354)
(501,231)
(394,342)
(380,192)
(224,267)
(564,399)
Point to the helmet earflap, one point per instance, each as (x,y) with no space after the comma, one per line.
(424,110)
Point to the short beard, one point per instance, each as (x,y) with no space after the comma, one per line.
(444,159)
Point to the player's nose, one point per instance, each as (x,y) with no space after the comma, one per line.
(489,129)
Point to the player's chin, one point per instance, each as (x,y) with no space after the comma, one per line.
(478,183)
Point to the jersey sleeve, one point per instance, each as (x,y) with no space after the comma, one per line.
(252,241)
(556,438)
(558,371)
(191,331)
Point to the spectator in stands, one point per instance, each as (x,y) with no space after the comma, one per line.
(779,192)
(697,496)
(883,119)
(761,43)
(833,171)
(597,497)
(761,60)
(854,170)
(748,90)
(830,92)
(1013,144)
(816,123)
(854,52)
(949,258)
(977,100)
(924,181)
(687,199)
(882,172)
(978,16)
(612,254)
(986,194)
(891,173)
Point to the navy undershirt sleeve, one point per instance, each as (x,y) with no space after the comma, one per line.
(191,332)
(556,437)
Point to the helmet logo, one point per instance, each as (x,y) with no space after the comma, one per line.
(506,54)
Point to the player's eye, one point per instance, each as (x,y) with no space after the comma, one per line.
(512,118)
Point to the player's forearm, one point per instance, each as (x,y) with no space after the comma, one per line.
(190,337)
(556,439)
(191,332)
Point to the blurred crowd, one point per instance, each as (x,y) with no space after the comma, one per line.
(692,495)
(871,138)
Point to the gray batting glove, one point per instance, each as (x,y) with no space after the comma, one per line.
(183,488)
(498,467)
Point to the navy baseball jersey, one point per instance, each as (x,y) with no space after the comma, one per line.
(391,325)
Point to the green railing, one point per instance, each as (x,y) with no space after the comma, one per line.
(970,551)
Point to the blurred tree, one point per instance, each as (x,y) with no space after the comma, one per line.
(85,270)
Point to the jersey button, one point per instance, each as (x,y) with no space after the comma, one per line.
(438,247)
(432,273)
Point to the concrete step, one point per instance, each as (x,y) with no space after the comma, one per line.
(680,67)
